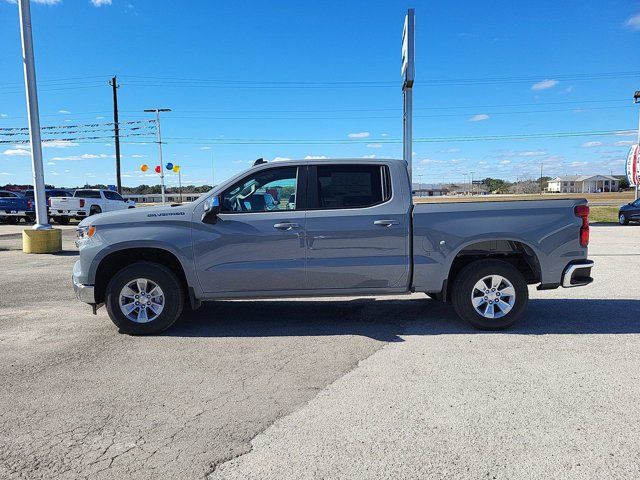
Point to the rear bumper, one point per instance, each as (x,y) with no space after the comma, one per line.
(577,274)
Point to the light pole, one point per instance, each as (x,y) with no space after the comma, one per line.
(24,11)
(159,136)
(471,182)
(636,100)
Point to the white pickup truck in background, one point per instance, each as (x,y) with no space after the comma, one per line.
(85,203)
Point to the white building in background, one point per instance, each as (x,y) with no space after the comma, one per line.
(583,184)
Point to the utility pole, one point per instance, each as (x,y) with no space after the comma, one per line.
(471,182)
(541,164)
(159,136)
(180,183)
(116,131)
(42,221)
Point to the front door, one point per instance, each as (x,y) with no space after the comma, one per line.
(257,242)
(357,228)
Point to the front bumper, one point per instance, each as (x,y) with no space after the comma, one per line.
(577,274)
(84,293)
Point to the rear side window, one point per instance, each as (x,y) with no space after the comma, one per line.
(352,186)
(87,194)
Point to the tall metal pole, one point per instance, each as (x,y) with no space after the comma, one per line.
(159,137)
(116,131)
(180,183)
(541,165)
(408,73)
(42,221)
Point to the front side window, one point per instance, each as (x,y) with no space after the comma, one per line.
(264,191)
(352,186)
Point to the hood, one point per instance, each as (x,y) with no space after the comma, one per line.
(139,214)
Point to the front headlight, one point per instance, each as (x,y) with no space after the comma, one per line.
(85,232)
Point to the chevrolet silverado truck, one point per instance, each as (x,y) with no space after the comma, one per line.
(353,230)
(85,203)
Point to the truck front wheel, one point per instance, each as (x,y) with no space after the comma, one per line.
(490,294)
(144,298)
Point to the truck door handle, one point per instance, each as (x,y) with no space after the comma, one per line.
(386,223)
(286,226)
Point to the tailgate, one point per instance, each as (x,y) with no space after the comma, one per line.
(65,203)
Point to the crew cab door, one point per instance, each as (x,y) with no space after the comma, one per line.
(256,244)
(358,227)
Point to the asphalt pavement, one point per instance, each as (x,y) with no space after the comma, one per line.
(321,388)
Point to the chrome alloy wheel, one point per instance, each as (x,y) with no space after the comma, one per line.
(493,296)
(141,300)
(622,219)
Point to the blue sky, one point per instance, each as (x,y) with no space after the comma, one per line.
(326,75)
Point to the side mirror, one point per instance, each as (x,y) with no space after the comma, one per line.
(211,209)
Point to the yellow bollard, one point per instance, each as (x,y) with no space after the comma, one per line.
(41,241)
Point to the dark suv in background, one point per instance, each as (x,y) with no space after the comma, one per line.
(629,212)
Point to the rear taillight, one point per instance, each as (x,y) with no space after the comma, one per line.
(82,203)
(582,211)
(49,202)
(29,204)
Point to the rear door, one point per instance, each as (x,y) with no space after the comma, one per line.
(357,227)
(256,244)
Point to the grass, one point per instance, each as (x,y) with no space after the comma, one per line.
(603,214)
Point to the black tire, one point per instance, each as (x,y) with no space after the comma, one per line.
(463,289)
(94,210)
(174,298)
(623,220)
(62,220)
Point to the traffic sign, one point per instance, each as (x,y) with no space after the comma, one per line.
(633,166)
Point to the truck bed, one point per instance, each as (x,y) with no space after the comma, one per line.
(548,229)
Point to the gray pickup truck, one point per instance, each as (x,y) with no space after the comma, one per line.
(328,228)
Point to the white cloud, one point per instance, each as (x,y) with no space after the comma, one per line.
(20,152)
(479,118)
(51,163)
(138,156)
(3,115)
(427,161)
(569,89)
(384,134)
(281,159)
(205,148)
(359,135)
(532,153)
(315,157)
(99,118)
(369,156)
(624,143)
(58,144)
(99,3)
(453,150)
(5,173)
(42,2)
(626,133)
(84,156)
(544,85)
(456,161)
(505,162)
(591,144)
(633,22)
(374,145)
(64,112)
(578,164)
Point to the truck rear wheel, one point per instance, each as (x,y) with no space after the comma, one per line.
(490,294)
(144,298)
(62,220)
